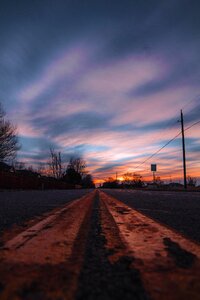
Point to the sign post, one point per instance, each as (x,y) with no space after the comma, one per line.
(153,169)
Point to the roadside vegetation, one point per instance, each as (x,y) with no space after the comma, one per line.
(136,181)
(9,144)
(56,174)
(18,176)
(60,174)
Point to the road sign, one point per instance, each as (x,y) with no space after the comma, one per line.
(153,167)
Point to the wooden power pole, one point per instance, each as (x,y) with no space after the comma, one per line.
(183,147)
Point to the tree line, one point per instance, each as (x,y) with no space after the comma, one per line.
(73,173)
(135,180)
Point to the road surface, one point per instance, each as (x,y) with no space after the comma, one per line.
(19,206)
(179,210)
(97,247)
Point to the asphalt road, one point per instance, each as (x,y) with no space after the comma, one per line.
(178,210)
(97,249)
(17,207)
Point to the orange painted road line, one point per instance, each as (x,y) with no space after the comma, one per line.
(49,249)
(31,232)
(45,261)
(168,262)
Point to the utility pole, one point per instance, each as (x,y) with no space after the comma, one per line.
(183,147)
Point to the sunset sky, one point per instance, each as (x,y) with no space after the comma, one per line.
(103,79)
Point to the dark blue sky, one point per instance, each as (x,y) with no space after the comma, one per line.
(101,78)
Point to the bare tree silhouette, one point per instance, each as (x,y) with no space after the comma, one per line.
(78,164)
(9,144)
(55,163)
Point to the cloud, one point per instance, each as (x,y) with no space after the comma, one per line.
(74,123)
(105,79)
(67,65)
(120,76)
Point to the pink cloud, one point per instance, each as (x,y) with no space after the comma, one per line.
(105,91)
(26,130)
(67,64)
(156,108)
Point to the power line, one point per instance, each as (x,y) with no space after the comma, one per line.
(158,150)
(162,132)
(169,126)
(192,125)
(166,145)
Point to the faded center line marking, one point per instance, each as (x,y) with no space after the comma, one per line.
(168,262)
